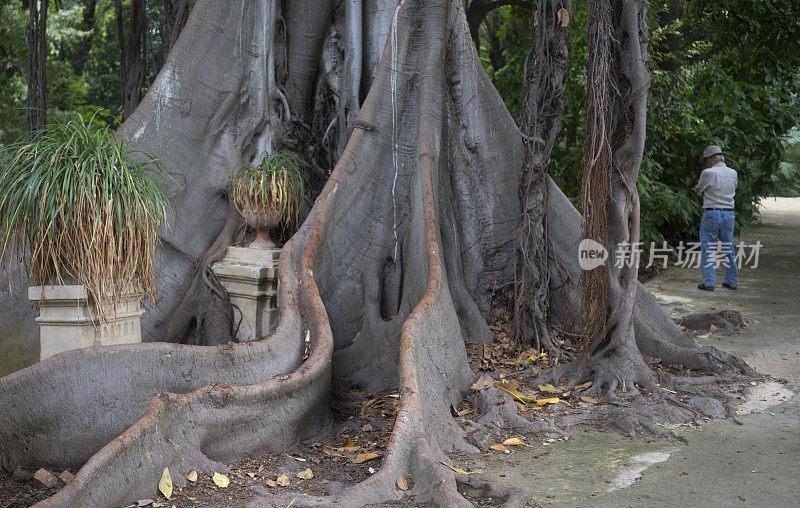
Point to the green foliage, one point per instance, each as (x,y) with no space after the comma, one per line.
(85,206)
(734,81)
(82,63)
(275,183)
(13,51)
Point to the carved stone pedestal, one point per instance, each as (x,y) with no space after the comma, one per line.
(250,276)
(68,320)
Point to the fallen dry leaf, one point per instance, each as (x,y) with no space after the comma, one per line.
(539,356)
(283,480)
(514,441)
(192,476)
(306,475)
(299,459)
(165,483)
(220,480)
(589,400)
(459,470)
(482,383)
(464,412)
(402,484)
(515,394)
(251,475)
(712,327)
(552,400)
(548,388)
(271,483)
(500,448)
(364,457)
(563,17)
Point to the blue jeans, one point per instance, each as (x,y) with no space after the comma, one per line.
(717,224)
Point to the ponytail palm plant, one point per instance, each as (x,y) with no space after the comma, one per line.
(86,206)
(265,192)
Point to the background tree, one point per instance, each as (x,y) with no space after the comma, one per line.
(131,62)
(36,35)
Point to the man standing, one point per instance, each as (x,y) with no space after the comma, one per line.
(717,185)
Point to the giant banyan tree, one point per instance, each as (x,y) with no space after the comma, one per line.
(389,274)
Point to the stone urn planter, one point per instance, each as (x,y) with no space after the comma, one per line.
(264,193)
(262,221)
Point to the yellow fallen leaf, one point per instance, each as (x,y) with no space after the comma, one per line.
(364,457)
(712,327)
(515,394)
(589,400)
(306,475)
(514,441)
(402,484)
(535,357)
(299,459)
(251,475)
(192,476)
(220,480)
(548,388)
(165,483)
(552,400)
(459,470)
(464,412)
(500,448)
(271,483)
(283,480)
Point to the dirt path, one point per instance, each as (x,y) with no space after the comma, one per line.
(722,463)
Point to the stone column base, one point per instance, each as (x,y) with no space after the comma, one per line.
(68,320)
(251,278)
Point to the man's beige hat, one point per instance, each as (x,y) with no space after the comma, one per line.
(711,150)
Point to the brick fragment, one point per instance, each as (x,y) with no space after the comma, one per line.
(46,478)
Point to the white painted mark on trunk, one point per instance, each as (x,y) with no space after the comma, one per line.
(640,463)
(395,127)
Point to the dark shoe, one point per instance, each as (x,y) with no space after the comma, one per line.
(705,288)
(729,286)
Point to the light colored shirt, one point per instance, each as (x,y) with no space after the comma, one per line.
(717,185)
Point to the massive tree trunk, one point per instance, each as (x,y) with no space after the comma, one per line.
(36,36)
(390,273)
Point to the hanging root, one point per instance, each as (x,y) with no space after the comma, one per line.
(204,315)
